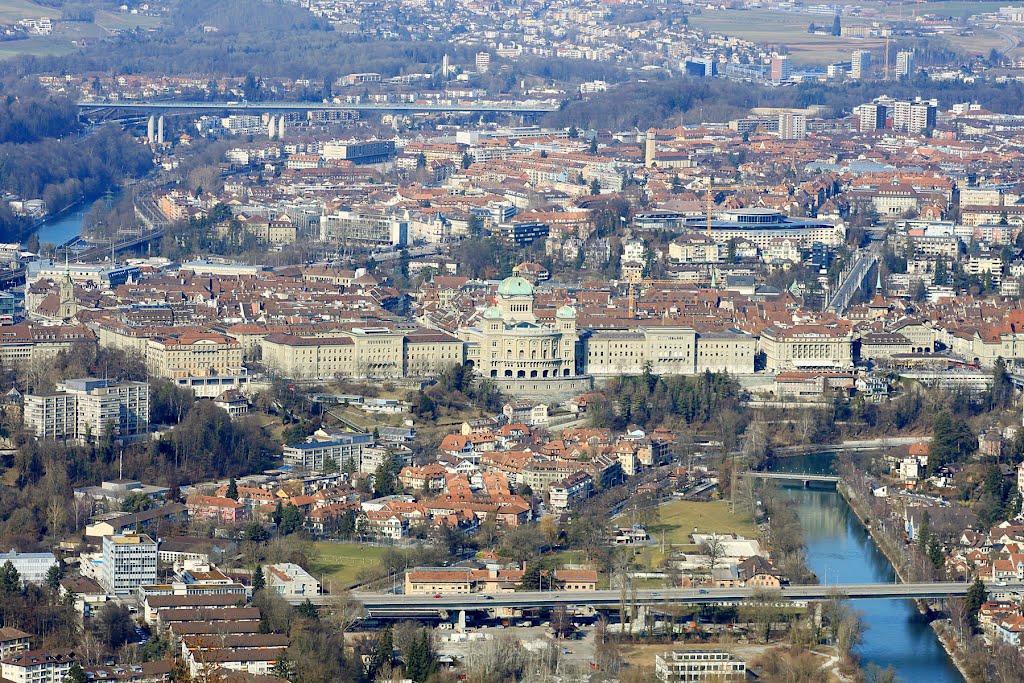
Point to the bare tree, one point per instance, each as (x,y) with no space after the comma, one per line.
(345,610)
(714,551)
(762,611)
(959,619)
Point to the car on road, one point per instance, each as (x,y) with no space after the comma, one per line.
(488,597)
(655,594)
(438,595)
(702,591)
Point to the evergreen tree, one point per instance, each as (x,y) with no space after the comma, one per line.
(76,674)
(593,145)
(282,667)
(291,519)
(259,582)
(232,490)
(595,187)
(10,579)
(307,610)
(837,26)
(976,597)
(421,661)
(531,578)
(53,576)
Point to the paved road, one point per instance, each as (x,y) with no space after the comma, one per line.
(611,598)
(170,105)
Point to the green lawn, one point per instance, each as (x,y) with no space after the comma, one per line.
(340,563)
(678,520)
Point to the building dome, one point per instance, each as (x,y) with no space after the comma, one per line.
(566,311)
(492,313)
(515,286)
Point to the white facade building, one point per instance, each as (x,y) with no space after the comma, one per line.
(129,561)
(32,567)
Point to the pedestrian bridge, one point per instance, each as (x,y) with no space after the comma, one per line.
(795,476)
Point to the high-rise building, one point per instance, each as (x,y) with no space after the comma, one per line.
(918,116)
(483,61)
(700,67)
(792,126)
(869,116)
(84,409)
(860,64)
(781,68)
(129,561)
(904,63)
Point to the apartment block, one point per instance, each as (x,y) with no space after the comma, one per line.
(37,666)
(337,454)
(129,561)
(85,409)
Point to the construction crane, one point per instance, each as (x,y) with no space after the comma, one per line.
(887,34)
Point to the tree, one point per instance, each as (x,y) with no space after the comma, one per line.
(573,132)
(976,597)
(837,26)
(952,441)
(420,661)
(114,626)
(307,610)
(291,519)
(595,187)
(232,490)
(76,674)
(10,579)
(593,145)
(761,611)
(382,653)
(259,582)
(713,550)
(53,576)
(283,667)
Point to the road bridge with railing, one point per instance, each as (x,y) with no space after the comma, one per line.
(261,107)
(389,605)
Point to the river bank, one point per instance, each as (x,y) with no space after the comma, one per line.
(864,517)
(839,550)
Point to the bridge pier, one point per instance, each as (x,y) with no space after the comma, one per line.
(460,624)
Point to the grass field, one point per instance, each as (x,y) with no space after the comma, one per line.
(783,28)
(120,21)
(340,563)
(13,10)
(678,520)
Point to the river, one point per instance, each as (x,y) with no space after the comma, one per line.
(62,228)
(840,550)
